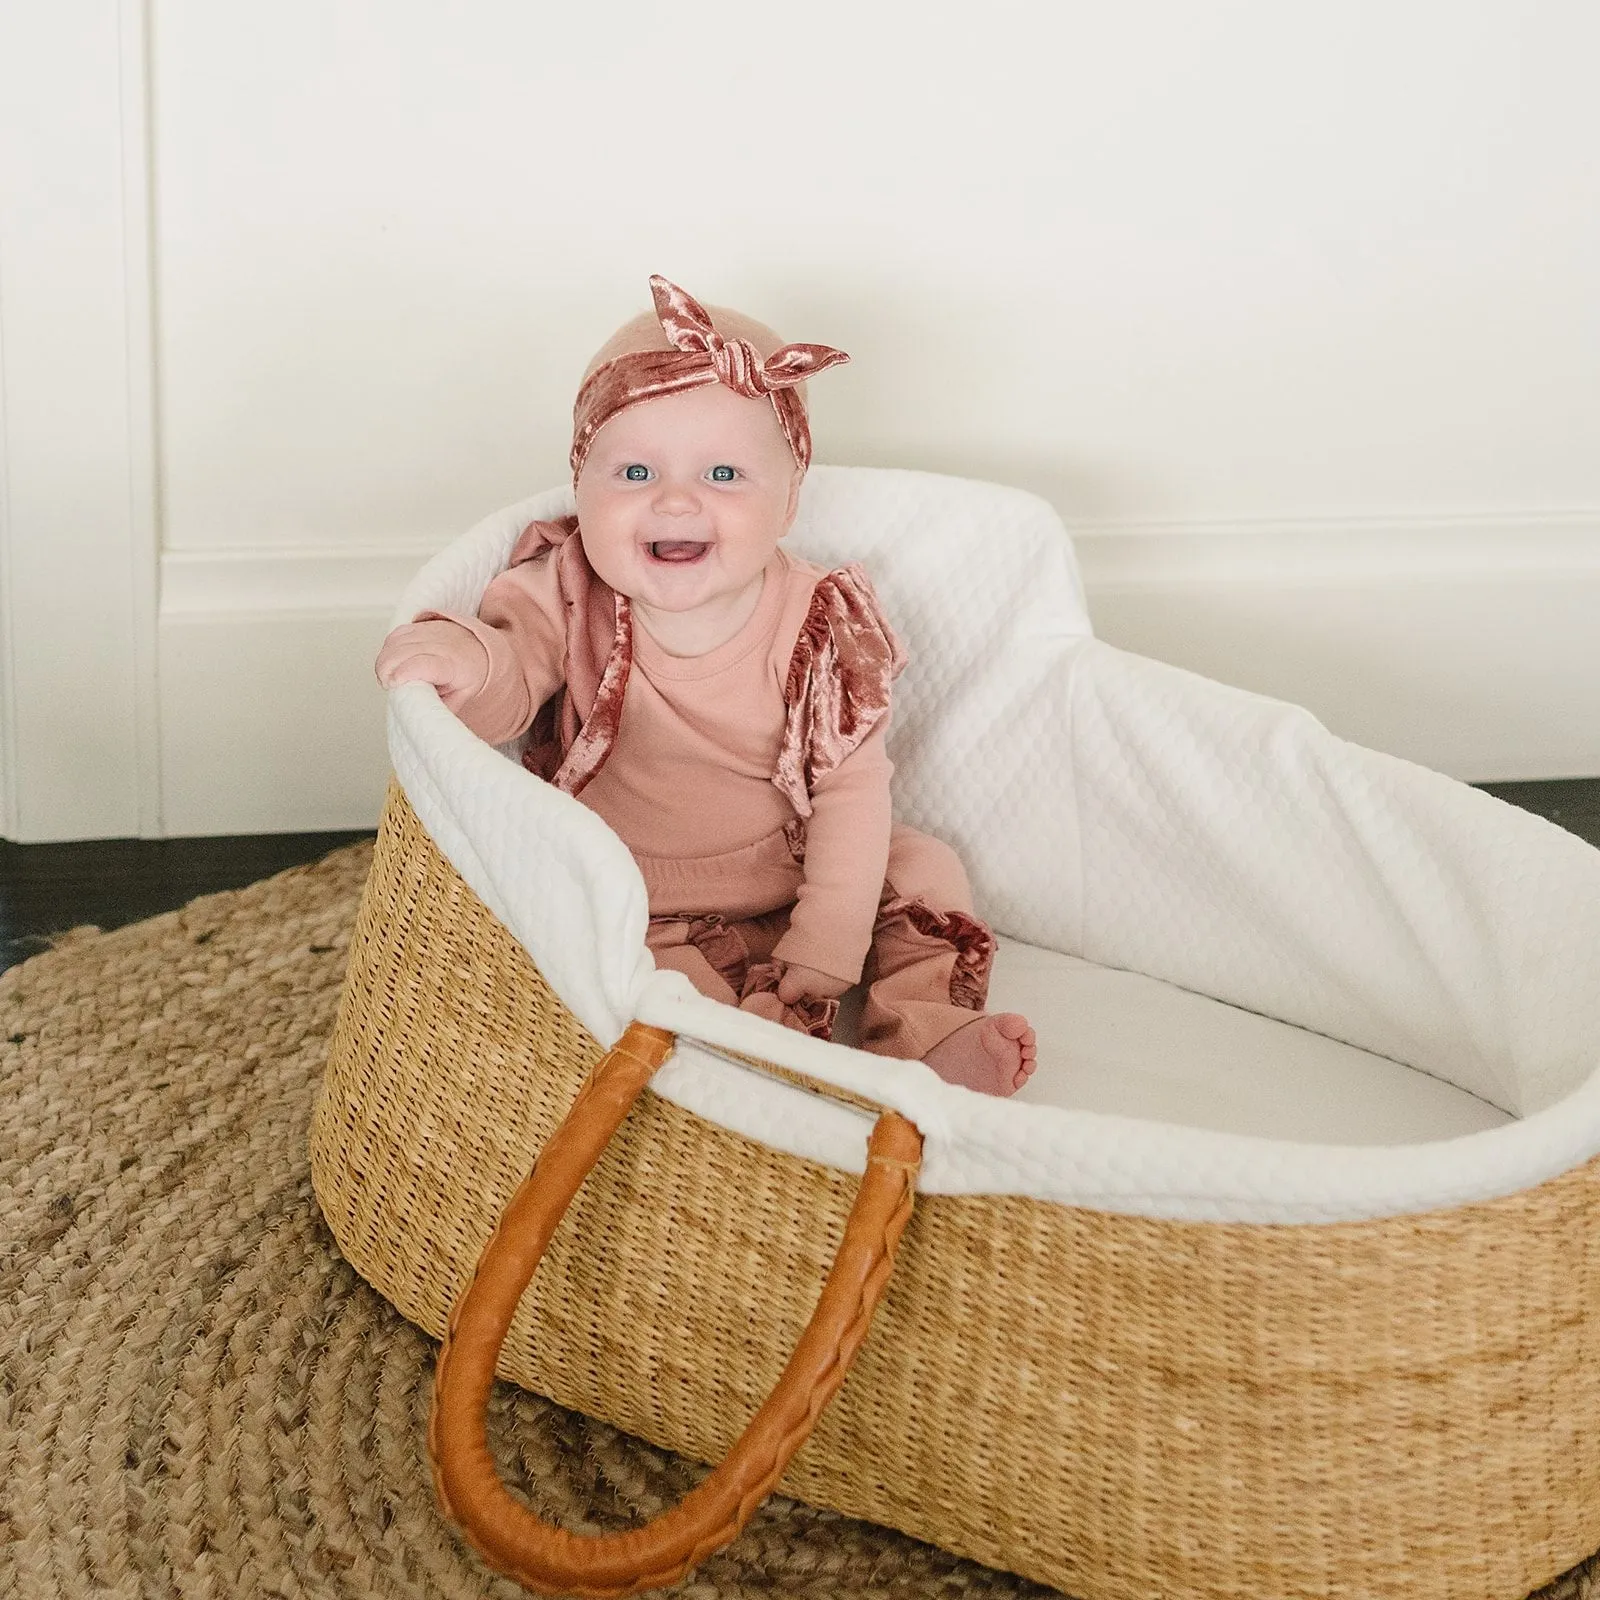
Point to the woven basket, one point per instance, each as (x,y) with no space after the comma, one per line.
(1120,1406)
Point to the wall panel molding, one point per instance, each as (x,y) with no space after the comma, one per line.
(1309,550)
(144,511)
(1538,545)
(1470,644)
(80,525)
(1467,644)
(307,579)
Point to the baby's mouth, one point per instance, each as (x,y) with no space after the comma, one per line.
(678,550)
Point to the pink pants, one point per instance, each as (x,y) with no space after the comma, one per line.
(927,973)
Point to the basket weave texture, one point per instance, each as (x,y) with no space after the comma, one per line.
(1115,1405)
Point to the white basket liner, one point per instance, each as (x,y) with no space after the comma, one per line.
(1114,808)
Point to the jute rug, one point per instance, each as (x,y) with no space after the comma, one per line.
(197,1396)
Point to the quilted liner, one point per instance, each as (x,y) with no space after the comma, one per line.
(1114,808)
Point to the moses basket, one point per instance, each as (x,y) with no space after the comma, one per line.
(1282,1276)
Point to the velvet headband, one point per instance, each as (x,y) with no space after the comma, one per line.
(700,355)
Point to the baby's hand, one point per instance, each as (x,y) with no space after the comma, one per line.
(441,653)
(799,982)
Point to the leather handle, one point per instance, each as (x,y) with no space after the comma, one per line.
(549,1560)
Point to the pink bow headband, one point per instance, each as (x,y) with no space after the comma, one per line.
(700,356)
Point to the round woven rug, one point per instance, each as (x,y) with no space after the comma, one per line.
(198,1397)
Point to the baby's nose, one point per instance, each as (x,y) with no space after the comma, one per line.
(675,499)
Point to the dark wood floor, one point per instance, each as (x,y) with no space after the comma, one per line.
(1573,802)
(47,888)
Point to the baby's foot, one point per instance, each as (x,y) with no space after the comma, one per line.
(994,1055)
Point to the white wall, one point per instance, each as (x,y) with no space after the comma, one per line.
(1289,310)
(79,739)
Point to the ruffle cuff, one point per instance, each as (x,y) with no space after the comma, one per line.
(795,948)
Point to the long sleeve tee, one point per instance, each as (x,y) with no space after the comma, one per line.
(692,768)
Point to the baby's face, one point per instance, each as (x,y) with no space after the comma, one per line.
(683,499)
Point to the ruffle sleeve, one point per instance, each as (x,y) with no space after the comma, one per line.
(564,747)
(539,537)
(838,686)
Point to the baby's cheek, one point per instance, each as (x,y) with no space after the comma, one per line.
(606,546)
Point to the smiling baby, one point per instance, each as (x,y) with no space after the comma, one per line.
(723,705)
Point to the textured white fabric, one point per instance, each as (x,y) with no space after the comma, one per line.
(1133,816)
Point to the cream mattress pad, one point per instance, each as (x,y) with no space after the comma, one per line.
(1277,977)
(1123,1043)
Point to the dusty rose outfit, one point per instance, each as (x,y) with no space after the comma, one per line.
(750,783)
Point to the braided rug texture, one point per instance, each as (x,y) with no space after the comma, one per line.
(197,1396)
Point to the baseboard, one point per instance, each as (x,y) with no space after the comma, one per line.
(1469,644)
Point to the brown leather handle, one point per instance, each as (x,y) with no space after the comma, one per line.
(549,1560)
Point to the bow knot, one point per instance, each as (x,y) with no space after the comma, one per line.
(736,362)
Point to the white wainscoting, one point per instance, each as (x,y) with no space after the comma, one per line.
(1469,644)
(271,720)
(335,275)
(78,500)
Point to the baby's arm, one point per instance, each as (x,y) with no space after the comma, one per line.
(847,854)
(493,670)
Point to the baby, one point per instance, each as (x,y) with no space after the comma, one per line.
(723,705)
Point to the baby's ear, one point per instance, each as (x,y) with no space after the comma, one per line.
(794,500)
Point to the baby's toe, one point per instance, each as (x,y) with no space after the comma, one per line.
(1029,1059)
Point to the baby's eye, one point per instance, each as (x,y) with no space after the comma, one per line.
(723,474)
(637,473)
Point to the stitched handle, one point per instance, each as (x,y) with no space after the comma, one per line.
(549,1560)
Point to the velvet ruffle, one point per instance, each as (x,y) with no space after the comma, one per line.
(559,749)
(838,687)
(587,753)
(971,940)
(754,981)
